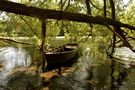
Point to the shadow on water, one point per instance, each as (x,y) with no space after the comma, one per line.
(65,64)
(118,77)
(96,72)
(25,79)
(92,71)
(75,80)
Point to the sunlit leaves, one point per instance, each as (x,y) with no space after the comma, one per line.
(15,25)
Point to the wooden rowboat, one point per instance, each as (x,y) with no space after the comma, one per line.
(63,54)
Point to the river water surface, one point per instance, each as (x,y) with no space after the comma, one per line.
(92,71)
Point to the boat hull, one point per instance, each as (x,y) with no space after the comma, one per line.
(62,57)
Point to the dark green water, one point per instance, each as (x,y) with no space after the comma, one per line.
(93,71)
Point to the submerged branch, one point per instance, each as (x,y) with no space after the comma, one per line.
(11,40)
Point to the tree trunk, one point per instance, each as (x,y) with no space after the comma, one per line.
(88,7)
(118,30)
(115,29)
(105,8)
(44,63)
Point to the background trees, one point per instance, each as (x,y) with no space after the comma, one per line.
(18,25)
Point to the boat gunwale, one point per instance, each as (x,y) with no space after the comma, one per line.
(63,52)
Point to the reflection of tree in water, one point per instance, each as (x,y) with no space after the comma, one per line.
(122,76)
(112,77)
(100,77)
(118,75)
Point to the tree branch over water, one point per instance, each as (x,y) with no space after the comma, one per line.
(42,14)
(58,15)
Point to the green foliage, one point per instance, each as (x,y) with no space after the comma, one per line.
(22,26)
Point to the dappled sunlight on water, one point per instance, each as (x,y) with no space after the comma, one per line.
(124,53)
(14,57)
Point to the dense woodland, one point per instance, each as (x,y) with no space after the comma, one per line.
(105,22)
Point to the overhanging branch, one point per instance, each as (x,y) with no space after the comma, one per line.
(58,15)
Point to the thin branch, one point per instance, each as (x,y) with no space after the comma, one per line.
(62,4)
(132,38)
(94,5)
(67,5)
(11,40)
(28,25)
(42,2)
(128,39)
(123,39)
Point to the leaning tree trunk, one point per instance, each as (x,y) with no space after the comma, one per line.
(119,31)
